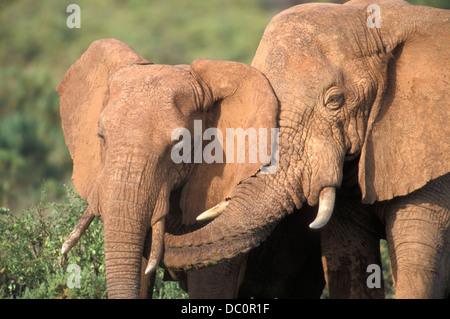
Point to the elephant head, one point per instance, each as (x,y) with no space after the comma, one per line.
(355,93)
(120,116)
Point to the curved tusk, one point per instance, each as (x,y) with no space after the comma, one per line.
(157,246)
(213,212)
(79,230)
(327,197)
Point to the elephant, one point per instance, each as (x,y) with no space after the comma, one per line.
(364,134)
(123,120)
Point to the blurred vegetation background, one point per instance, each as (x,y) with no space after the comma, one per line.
(37,47)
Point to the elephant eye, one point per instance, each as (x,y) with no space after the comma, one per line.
(102,137)
(335,101)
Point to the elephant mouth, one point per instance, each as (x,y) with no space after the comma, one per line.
(350,156)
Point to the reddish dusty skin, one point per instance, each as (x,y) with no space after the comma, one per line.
(118,113)
(365,110)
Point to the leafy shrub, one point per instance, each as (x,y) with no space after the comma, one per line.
(31,264)
(167,289)
(389,291)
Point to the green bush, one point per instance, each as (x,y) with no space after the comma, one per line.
(167,289)
(389,291)
(31,263)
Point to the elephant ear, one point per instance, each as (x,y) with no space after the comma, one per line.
(408,139)
(83,93)
(237,96)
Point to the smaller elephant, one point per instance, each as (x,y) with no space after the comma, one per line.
(123,120)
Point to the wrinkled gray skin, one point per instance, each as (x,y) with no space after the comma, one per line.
(364,110)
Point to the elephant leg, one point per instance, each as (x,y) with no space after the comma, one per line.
(350,243)
(418,236)
(220,281)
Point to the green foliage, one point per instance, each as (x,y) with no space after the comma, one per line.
(31,144)
(444,4)
(31,264)
(389,291)
(167,289)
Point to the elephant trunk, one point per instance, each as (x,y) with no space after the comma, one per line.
(127,210)
(123,256)
(243,226)
(256,206)
(130,200)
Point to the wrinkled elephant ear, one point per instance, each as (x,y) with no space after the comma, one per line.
(83,92)
(242,97)
(408,140)
(237,96)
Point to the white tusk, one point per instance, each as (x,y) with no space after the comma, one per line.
(213,212)
(157,246)
(78,231)
(327,197)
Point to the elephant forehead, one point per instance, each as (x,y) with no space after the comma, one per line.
(317,29)
(321,16)
(140,102)
(143,88)
(147,78)
(164,90)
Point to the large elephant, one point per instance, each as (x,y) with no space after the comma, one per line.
(123,120)
(364,130)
